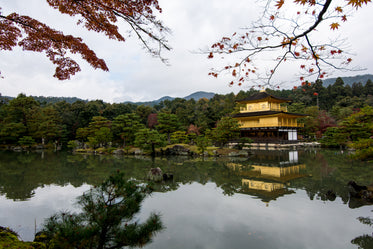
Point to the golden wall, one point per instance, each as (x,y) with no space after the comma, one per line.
(262,106)
(272,121)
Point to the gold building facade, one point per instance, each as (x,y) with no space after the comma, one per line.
(263,119)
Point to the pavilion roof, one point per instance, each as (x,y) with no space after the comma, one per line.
(265,113)
(263,95)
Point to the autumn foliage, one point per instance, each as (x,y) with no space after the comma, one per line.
(288,31)
(96,15)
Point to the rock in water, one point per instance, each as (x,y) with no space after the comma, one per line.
(168,176)
(155,174)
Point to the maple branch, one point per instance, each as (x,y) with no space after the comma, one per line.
(133,13)
(264,37)
(136,28)
(314,55)
(97,15)
(40,37)
(317,22)
(283,58)
(90,17)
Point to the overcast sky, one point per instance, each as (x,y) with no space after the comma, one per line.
(136,76)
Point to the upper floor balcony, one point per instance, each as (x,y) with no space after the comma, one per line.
(263,108)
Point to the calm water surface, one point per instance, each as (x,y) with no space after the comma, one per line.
(270,200)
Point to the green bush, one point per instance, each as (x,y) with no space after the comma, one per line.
(244,142)
(364,149)
(73,144)
(26,141)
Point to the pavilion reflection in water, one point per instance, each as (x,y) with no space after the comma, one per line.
(269,174)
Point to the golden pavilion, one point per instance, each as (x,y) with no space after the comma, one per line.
(264,119)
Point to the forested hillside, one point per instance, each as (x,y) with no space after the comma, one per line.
(25,121)
(47,100)
(196,96)
(350,80)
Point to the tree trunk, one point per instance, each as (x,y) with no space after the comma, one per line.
(153,149)
(102,240)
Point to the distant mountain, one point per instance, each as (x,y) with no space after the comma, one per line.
(350,80)
(196,96)
(200,95)
(5,98)
(48,100)
(51,100)
(151,103)
(164,98)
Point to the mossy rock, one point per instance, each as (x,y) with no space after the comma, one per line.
(101,150)
(9,239)
(84,151)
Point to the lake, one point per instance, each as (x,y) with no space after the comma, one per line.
(273,199)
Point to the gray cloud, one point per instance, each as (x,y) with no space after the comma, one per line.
(134,75)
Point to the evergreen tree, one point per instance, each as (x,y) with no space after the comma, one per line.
(336,92)
(147,139)
(167,123)
(202,142)
(68,121)
(95,132)
(125,126)
(102,136)
(348,91)
(226,129)
(143,112)
(11,132)
(26,141)
(18,109)
(80,114)
(356,129)
(357,89)
(368,88)
(179,137)
(45,124)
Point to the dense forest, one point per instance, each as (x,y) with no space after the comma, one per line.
(338,115)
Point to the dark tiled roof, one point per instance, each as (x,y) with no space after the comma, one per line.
(262,95)
(264,113)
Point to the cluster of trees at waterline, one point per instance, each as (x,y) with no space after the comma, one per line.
(96,124)
(339,115)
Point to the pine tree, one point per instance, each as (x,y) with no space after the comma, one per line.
(105,220)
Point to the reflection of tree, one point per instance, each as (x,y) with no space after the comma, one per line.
(19,178)
(25,159)
(365,241)
(331,171)
(22,173)
(186,171)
